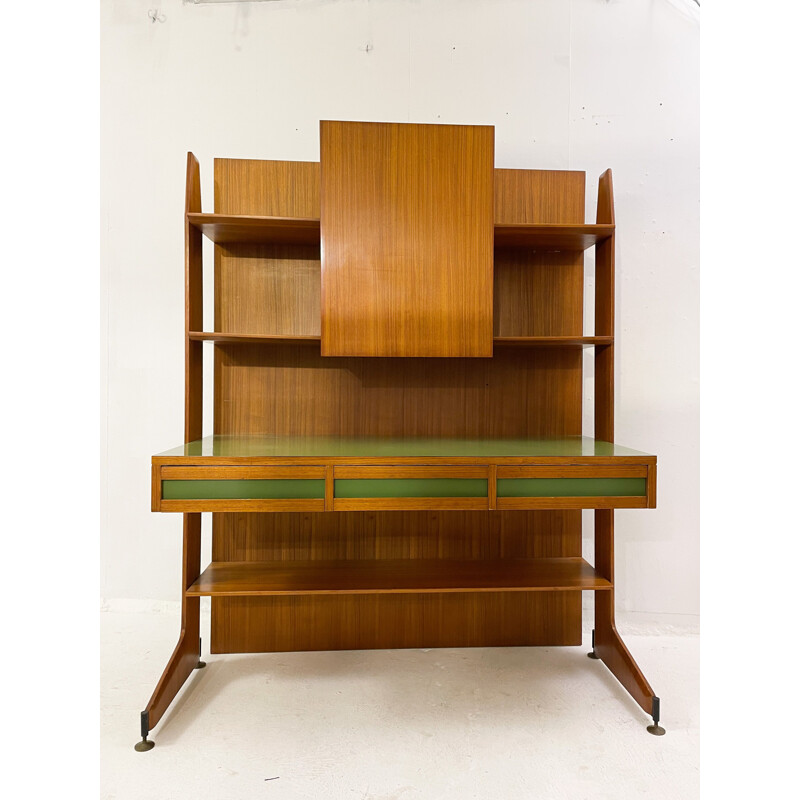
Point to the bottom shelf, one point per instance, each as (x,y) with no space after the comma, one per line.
(406,576)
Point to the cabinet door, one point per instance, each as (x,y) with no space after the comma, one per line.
(407,234)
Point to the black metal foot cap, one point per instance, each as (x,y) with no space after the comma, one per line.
(656,730)
(144,746)
(593,655)
(200,664)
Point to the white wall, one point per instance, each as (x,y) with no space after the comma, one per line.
(585,84)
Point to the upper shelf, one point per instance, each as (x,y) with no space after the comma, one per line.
(222,337)
(223,228)
(551,237)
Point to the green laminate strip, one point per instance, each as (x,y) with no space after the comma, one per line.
(571,487)
(411,487)
(361,447)
(298,489)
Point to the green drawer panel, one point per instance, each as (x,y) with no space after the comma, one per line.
(302,489)
(411,487)
(571,487)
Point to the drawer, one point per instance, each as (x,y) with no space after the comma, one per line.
(198,488)
(623,486)
(400,488)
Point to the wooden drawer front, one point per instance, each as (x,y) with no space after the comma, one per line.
(575,487)
(401,488)
(240,489)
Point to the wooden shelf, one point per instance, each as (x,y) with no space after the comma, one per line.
(406,576)
(553,341)
(227,228)
(223,228)
(551,237)
(500,341)
(251,338)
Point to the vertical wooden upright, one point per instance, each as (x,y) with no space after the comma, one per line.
(186,656)
(607,643)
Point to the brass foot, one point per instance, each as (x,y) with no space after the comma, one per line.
(200,664)
(144,745)
(656,730)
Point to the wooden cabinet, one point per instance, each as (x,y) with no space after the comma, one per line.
(397,456)
(406,231)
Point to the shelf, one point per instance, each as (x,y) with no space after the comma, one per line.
(406,576)
(500,341)
(251,338)
(553,341)
(551,237)
(228,228)
(221,229)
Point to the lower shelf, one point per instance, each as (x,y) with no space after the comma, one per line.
(406,576)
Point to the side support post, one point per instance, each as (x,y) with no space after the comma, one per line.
(186,656)
(607,644)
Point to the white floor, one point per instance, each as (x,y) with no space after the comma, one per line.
(506,723)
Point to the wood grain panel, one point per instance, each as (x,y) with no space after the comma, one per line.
(267,289)
(539,196)
(488,619)
(266,188)
(406,230)
(397,534)
(284,390)
(538,294)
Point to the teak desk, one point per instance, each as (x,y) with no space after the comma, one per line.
(397,458)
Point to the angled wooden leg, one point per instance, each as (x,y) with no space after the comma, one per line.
(607,643)
(186,656)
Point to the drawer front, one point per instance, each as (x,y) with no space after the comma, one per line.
(407,488)
(189,489)
(575,487)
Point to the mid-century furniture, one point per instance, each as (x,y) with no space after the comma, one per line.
(397,458)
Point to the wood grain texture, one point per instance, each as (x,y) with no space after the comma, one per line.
(260,624)
(537,196)
(228,229)
(193,292)
(293,391)
(499,341)
(604,315)
(266,188)
(406,229)
(187,652)
(254,338)
(550,238)
(608,643)
(400,576)
(267,289)
(360,622)
(537,294)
